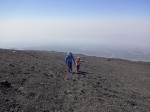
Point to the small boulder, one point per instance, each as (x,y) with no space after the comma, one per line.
(12,65)
(6,99)
(5,83)
(22,90)
(82,91)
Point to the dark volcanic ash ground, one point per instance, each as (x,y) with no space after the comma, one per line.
(40,83)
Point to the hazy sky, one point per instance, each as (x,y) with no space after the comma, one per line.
(29,23)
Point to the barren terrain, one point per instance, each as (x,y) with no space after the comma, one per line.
(40,83)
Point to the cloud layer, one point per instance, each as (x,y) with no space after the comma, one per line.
(72,31)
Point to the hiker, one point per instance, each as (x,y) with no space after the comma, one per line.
(69,58)
(78,62)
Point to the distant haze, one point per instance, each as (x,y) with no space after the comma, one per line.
(74,32)
(82,25)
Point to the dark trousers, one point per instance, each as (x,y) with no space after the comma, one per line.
(78,67)
(69,66)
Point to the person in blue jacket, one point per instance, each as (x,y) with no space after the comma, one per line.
(69,59)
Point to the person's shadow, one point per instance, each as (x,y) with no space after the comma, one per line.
(82,72)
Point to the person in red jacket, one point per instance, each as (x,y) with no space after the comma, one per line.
(78,62)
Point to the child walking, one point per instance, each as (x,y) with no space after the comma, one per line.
(78,62)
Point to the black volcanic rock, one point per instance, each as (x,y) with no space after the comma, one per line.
(5,83)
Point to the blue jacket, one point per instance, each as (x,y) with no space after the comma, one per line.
(69,59)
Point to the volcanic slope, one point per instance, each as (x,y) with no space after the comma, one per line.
(40,83)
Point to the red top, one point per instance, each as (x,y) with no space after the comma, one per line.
(78,62)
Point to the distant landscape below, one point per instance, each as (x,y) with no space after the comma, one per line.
(131,53)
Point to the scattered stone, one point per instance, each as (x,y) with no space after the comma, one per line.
(133,104)
(26,73)
(24,79)
(13,99)
(11,65)
(6,99)
(82,91)
(95,91)
(99,99)
(52,76)
(21,90)
(75,98)
(46,74)
(67,92)
(45,110)
(42,84)
(98,83)
(12,73)
(5,83)
(31,94)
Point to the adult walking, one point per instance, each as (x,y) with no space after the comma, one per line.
(69,59)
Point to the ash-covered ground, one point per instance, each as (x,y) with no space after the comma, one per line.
(40,83)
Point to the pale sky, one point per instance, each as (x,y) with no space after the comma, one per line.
(29,23)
